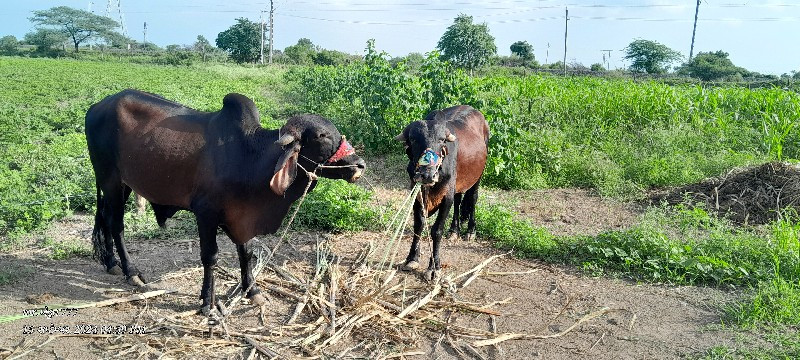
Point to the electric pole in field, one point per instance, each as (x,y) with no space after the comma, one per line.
(547,54)
(566,26)
(144,32)
(607,59)
(262,36)
(271,27)
(694,29)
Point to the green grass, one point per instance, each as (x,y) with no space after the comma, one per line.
(782,343)
(683,245)
(10,274)
(66,249)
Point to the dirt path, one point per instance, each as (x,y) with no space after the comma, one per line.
(649,322)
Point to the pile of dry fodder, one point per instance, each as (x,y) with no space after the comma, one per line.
(363,308)
(751,195)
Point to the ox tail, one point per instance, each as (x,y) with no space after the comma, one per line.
(467,207)
(98,235)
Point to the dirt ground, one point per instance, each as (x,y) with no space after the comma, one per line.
(644,322)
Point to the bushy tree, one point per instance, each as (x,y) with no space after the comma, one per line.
(301,53)
(523,50)
(413,61)
(597,67)
(203,46)
(331,57)
(242,41)
(117,40)
(709,66)
(77,25)
(650,56)
(467,45)
(8,45)
(45,39)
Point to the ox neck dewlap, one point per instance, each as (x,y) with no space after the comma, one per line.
(429,158)
(344,150)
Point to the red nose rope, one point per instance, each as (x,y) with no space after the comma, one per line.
(345,149)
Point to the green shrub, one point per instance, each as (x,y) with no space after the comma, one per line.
(336,205)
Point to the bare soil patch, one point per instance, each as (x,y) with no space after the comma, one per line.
(648,321)
(750,195)
(569,211)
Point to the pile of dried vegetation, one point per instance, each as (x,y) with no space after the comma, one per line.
(750,195)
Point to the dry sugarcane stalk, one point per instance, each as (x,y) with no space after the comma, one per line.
(297,309)
(480,266)
(261,348)
(280,291)
(421,302)
(511,336)
(501,273)
(134,297)
(334,289)
(284,273)
(474,351)
(49,339)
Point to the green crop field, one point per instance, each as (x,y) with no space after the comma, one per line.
(618,137)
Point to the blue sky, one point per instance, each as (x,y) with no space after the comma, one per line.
(759,35)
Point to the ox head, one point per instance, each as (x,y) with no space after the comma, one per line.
(427,144)
(314,143)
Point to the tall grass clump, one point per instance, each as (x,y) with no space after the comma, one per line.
(617,136)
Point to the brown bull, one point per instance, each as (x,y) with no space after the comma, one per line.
(222,166)
(447,153)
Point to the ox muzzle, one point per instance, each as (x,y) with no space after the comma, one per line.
(427,169)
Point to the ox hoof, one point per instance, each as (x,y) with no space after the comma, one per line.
(115,270)
(432,276)
(471,236)
(452,237)
(207,310)
(258,299)
(410,266)
(136,280)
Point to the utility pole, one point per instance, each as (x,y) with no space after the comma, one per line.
(144,38)
(694,29)
(262,36)
(271,27)
(608,62)
(547,54)
(566,26)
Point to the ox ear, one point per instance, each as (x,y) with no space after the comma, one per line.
(285,171)
(401,137)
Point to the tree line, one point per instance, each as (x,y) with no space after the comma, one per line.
(466,44)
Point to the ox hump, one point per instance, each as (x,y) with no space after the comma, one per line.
(239,108)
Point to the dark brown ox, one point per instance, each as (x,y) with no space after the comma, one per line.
(222,166)
(447,154)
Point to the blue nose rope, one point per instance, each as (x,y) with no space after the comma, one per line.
(429,158)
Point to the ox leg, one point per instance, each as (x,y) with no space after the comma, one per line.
(116,206)
(455,225)
(102,242)
(245,256)
(412,260)
(470,202)
(436,235)
(208,255)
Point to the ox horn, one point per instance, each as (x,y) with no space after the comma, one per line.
(401,137)
(285,140)
(451,137)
